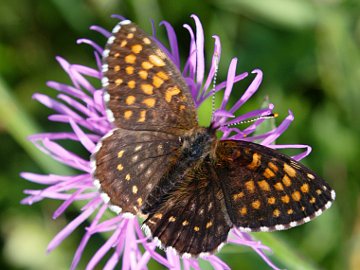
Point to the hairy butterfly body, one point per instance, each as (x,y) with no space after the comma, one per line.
(191,187)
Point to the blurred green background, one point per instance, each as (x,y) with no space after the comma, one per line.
(310,55)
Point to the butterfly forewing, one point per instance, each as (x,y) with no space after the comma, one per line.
(266,190)
(193,219)
(145,90)
(129,164)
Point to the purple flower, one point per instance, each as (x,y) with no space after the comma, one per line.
(81,105)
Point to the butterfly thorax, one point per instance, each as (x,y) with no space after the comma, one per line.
(196,145)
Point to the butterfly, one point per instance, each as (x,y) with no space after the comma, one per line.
(190,187)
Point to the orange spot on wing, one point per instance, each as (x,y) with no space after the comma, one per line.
(268,173)
(121,153)
(120,167)
(162,75)
(256,204)
(139,201)
(264,185)
(279,186)
(118,82)
(157,81)
(131,84)
(143,74)
(123,43)
(149,102)
(146,65)
(130,100)
(285,199)
(142,116)
(170,92)
(296,196)
(130,59)
(271,200)
(305,188)
(273,167)
(129,70)
(137,48)
(250,186)
(146,40)
(243,211)
(290,171)
(128,114)
(256,161)
(286,180)
(147,88)
(158,215)
(276,213)
(156,60)
(238,196)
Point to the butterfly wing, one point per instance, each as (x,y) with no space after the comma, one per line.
(129,164)
(266,190)
(144,89)
(193,219)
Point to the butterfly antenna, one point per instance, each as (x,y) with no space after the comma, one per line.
(214,85)
(269,116)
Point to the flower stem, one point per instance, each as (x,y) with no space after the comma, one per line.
(19,125)
(285,253)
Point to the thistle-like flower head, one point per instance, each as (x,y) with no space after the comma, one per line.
(80,105)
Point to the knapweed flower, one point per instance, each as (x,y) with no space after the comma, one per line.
(81,105)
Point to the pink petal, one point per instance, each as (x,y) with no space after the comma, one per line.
(173,42)
(101,30)
(214,63)
(64,233)
(86,237)
(200,61)
(253,87)
(84,139)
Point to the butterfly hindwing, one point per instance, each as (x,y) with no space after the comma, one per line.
(266,190)
(129,164)
(193,219)
(144,89)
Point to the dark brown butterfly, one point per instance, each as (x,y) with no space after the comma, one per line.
(191,187)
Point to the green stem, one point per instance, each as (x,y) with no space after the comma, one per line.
(285,253)
(20,126)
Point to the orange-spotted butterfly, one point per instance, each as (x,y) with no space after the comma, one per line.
(190,187)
